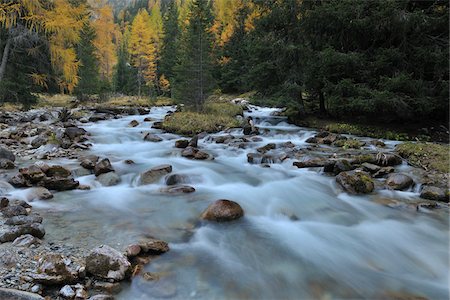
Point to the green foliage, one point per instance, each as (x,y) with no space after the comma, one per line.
(169,50)
(89,82)
(427,155)
(125,75)
(193,73)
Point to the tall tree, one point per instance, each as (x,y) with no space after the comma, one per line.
(89,66)
(170,42)
(194,79)
(142,50)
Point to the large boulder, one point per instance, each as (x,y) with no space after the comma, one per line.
(356,182)
(108,263)
(33,173)
(13,294)
(176,179)
(397,181)
(388,159)
(18,181)
(153,246)
(434,193)
(109,179)
(39,193)
(103,166)
(154,174)
(39,141)
(14,210)
(74,132)
(58,171)
(59,183)
(223,211)
(7,154)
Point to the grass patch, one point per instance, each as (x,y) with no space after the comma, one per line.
(127,101)
(426,155)
(57,100)
(12,107)
(369,131)
(216,117)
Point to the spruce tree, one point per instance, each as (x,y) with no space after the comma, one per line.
(169,50)
(193,74)
(88,71)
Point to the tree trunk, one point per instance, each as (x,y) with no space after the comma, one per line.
(322,108)
(5,57)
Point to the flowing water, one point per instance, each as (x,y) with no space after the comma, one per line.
(301,238)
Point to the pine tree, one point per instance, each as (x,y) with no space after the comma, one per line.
(169,51)
(89,68)
(194,79)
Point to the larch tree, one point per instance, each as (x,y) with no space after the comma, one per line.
(142,50)
(194,80)
(106,32)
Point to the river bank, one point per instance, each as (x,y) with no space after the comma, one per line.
(288,180)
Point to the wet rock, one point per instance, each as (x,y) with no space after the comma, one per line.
(397,181)
(378,143)
(247,129)
(149,137)
(310,163)
(189,152)
(176,179)
(7,154)
(222,211)
(133,250)
(67,292)
(10,233)
(371,168)
(74,132)
(223,139)
(103,166)
(26,241)
(355,182)
(57,170)
(89,162)
(109,179)
(266,148)
(181,144)
(24,219)
(153,246)
(4,202)
(84,187)
(6,164)
(129,161)
(13,210)
(342,165)
(39,141)
(12,294)
(200,155)
(157,125)
(329,139)
(288,144)
(194,142)
(54,269)
(133,123)
(434,193)
(59,184)
(39,193)
(108,263)
(311,140)
(388,159)
(154,174)
(383,172)
(80,292)
(32,174)
(178,189)
(101,297)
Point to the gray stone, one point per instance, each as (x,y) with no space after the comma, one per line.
(103,166)
(23,219)
(434,193)
(67,292)
(109,179)
(149,137)
(26,240)
(10,233)
(397,181)
(12,294)
(108,263)
(154,174)
(6,164)
(59,184)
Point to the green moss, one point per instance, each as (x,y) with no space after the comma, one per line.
(369,131)
(426,155)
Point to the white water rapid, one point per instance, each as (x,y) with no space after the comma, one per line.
(301,237)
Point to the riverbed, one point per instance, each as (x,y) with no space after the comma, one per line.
(301,237)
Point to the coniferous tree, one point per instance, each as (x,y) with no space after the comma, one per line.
(89,68)
(193,74)
(169,50)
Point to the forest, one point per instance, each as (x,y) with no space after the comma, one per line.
(376,60)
